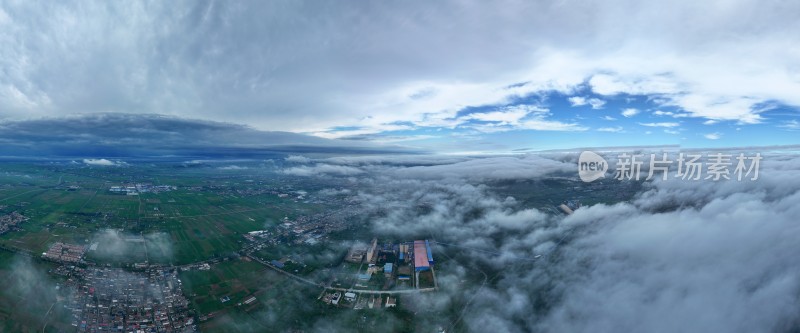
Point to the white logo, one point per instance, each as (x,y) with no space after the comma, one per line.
(591,166)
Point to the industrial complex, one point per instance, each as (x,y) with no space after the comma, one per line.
(406,267)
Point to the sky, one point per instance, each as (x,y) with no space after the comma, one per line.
(450,76)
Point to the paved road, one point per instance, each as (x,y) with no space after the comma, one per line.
(296,277)
(404,291)
(321,285)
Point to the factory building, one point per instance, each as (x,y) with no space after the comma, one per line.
(423,258)
(391,302)
(430,253)
(388,269)
(404,256)
(373,251)
(564,208)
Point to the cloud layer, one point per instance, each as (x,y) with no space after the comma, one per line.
(142,135)
(351,69)
(681,256)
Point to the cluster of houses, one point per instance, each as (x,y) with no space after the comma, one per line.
(10,221)
(141,188)
(109,299)
(65,253)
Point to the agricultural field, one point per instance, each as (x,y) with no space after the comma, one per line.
(219,295)
(203,217)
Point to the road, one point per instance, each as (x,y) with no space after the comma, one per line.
(46,315)
(23,193)
(296,277)
(321,285)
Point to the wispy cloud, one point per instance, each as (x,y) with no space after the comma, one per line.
(506,116)
(790,125)
(670,114)
(516,117)
(233,167)
(664,124)
(617,129)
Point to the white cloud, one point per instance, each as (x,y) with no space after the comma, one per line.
(670,114)
(609,118)
(399,64)
(629,112)
(507,116)
(610,129)
(233,167)
(365,130)
(664,124)
(517,117)
(639,266)
(550,125)
(395,160)
(596,103)
(101,162)
(297,159)
(115,244)
(485,169)
(323,169)
(4,18)
(713,136)
(682,256)
(790,125)
(612,84)
(577,100)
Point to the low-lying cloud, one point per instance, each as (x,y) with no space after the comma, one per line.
(118,245)
(152,135)
(101,162)
(322,169)
(682,256)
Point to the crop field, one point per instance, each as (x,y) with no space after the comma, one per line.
(235,281)
(204,217)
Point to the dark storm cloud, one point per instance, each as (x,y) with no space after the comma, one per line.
(135,135)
